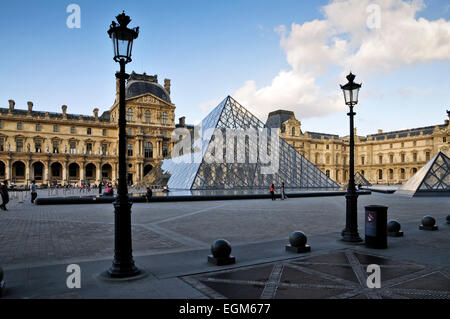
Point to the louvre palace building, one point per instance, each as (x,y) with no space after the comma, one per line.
(382,158)
(65,148)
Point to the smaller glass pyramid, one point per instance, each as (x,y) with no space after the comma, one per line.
(431,180)
(361,180)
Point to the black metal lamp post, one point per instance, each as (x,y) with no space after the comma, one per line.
(123,265)
(350,233)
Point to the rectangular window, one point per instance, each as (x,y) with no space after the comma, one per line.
(55,128)
(72,130)
(38,147)
(89,131)
(403,158)
(164,118)
(104,149)
(73,148)
(55,147)
(130,149)
(444,139)
(38,127)
(165,151)
(415,157)
(19,145)
(427,156)
(362,160)
(2,145)
(89,148)
(19,126)
(104,132)
(1,124)
(391,159)
(380,159)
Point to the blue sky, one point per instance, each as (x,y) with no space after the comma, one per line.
(210,49)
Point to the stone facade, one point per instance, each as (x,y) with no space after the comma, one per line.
(382,158)
(66,148)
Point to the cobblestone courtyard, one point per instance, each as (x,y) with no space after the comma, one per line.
(36,239)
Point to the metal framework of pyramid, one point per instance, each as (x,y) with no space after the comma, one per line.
(431,180)
(294,170)
(361,180)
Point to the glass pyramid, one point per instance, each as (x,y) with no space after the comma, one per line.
(361,180)
(431,180)
(248,166)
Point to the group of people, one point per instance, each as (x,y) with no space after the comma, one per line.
(272,191)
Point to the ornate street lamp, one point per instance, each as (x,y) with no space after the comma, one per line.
(350,233)
(123,265)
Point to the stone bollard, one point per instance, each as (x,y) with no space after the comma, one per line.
(428,223)
(221,250)
(393,229)
(297,242)
(2,283)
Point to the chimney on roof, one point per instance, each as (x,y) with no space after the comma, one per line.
(11,105)
(64,110)
(167,85)
(30,106)
(380,131)
(182,121)
(96,114)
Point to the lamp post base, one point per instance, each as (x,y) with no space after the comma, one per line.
(351,237)
(123,271)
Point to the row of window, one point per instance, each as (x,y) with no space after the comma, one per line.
(56,129)
(148,150)
(402,159)
(147,116)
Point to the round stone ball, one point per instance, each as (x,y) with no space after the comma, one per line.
(428,221)
(1,274)
(298,239)
(221,248)
(393,226)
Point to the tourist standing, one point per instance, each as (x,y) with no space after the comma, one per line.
(4,194)
(149,194)
(33,191)
(283,194)
(100,188)
(272,191)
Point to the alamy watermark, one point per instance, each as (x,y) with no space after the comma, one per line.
(374,18)
(74,19)
(228,146)
(374,279)
(74,279)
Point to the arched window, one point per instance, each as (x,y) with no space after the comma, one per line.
(380,174)
(130,114)
(402,173)
(327,173)
(293,131)
(391,174)
(148,116)
(148,150)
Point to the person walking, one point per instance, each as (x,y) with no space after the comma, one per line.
(100,188)
(149,194)
(33,191)
(4,194)
(272,191)
(283,194)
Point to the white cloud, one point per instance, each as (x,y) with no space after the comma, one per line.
(344,40)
